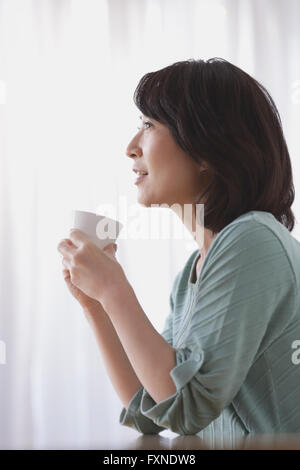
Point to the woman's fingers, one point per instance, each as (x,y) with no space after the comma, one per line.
(111,249)
(66,273)
(66,246)
(111,246)
(65,263)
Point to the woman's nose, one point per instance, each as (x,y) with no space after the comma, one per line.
(133,151)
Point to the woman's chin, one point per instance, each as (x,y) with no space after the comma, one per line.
(148,200)
(144,201)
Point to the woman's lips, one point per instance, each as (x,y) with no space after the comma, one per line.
(140,178)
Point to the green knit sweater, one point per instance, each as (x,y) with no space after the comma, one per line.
(233,330)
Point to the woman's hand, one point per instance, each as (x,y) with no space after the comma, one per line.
(94,272)
(87,303)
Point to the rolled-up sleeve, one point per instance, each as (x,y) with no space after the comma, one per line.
(236,314)
(133,418)
(176,411)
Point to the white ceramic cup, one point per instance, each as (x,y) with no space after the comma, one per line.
(100,229)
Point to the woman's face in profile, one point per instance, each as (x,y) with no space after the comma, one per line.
(173,177)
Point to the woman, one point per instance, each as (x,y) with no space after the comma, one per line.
(210,134)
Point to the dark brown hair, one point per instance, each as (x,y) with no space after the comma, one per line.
(226,120)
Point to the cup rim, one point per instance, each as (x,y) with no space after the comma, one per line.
(97,215)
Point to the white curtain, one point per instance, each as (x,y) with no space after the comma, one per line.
(68,69)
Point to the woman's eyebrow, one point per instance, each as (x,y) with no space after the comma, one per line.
(146,117)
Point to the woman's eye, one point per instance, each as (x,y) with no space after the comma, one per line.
(145,123)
